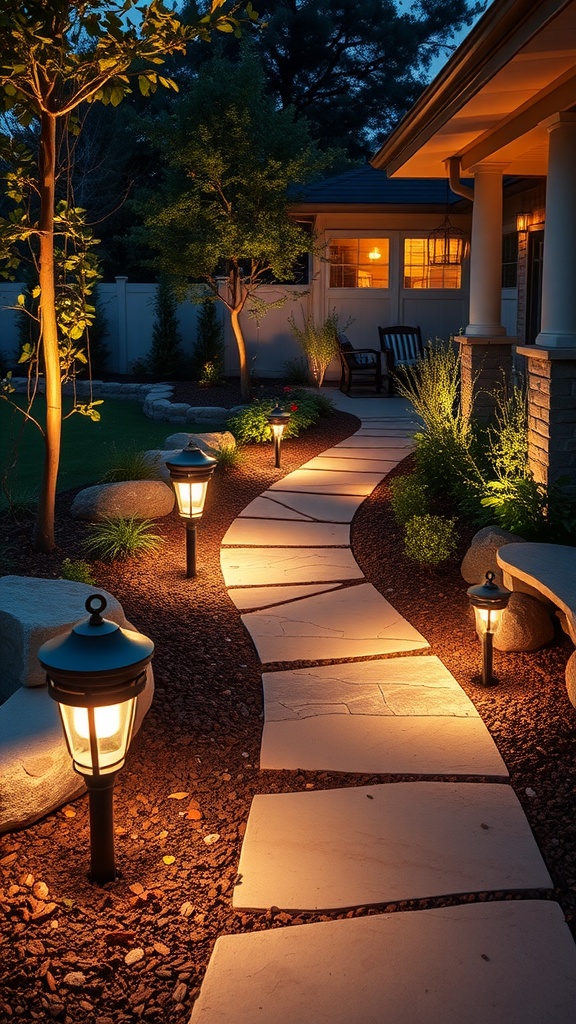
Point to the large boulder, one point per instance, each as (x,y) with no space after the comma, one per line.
(212,441)
(525,625)
(145,499)
(36,772)
(31,612)
(481,555)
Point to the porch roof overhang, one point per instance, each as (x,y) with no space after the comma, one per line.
(490,103)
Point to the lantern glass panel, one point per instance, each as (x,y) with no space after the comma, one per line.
(191,496)
(278,429)
(487,619)
(98,738)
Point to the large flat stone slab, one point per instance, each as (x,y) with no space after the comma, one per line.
(327,508)
(248,598)
(483,963)
(394,716)
(325,482)
(261,566)
(278,532)
(375,844)
(548,569)
(360,441)
(421,685)
(380,745)
(346,623)
(381,465)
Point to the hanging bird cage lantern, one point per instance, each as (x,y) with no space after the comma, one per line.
(446,245)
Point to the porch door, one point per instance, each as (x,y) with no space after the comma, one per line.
(534,286)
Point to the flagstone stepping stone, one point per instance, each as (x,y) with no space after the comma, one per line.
(482,963)
(361,441)
(327,508)
(394,716)
(345,623)
(258,566)
(354,465)
(326,482)
(375,844)
(257,532)
(250,598)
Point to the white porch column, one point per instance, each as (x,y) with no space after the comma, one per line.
(486,253)
(558,328)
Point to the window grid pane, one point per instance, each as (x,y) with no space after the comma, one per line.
(418,273)
(359,262)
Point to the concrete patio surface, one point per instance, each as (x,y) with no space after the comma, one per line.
(367,705)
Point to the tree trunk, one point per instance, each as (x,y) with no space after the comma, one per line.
(44,539)
(242,358)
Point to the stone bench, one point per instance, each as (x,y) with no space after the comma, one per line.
(548,571)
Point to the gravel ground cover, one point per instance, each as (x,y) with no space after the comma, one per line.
(137,949)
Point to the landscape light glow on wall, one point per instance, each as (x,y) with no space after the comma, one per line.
(277,420)
(488,601)
(95,674)
(190,472)
(522,222)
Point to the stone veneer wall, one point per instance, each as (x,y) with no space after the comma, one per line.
(551,413)
(486,364)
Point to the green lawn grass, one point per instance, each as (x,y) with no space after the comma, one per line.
(87,447)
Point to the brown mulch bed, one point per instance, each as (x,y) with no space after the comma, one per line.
(137,949)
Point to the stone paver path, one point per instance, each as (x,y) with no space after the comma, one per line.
(367,704)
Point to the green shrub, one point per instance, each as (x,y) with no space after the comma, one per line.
(121,538)
(408,497)
(250,425)
(430,539)
(77,570)
(319,341)
(207,361)
(130,464)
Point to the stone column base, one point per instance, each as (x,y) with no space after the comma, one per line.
(551,374)
(486,364)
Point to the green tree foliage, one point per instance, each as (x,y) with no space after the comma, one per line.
(223,213)
(208,353)
(352,67)
(166,356)
(56,56)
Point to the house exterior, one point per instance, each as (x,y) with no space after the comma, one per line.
(371,263)
(503,109)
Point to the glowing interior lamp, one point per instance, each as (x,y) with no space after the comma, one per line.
(277,419)
(95,674)
(190,471)
(488,601)
(522,221)
(375,254)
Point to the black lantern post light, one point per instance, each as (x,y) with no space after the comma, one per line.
(277,420)
(95,673)
(488,601)
(190,472)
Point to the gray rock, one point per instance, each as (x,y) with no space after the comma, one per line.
(209,442)
(481,555)
(145,499)
(571,678)
(526,625)
(32,611)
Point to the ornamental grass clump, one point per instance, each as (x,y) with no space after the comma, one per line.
(130,464)
(120,538)
(430,540)
(319,342)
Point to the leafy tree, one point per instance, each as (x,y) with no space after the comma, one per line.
(56,56)
(166,356)
(351,67)
(207,363)
(223,216)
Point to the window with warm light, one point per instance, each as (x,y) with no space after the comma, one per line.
(419,273)
(359,262)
